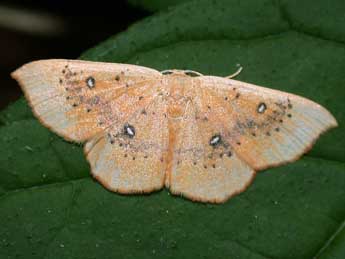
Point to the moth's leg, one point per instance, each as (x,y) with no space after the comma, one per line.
(192,73)
(236,73)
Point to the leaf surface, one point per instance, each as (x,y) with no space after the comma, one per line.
(51,208)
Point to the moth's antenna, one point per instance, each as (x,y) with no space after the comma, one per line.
(236,73)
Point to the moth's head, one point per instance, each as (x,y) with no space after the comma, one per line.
(176,72)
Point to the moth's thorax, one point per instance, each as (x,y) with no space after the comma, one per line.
(180,93)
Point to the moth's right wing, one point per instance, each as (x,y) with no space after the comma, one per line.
(231,129)
(265,127)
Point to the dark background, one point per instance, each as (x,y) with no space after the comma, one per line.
(75,27)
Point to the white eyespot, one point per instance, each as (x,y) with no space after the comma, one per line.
(129,130)
(262,108)
(90,82)
(215,140)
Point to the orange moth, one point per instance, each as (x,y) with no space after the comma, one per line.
(203,137)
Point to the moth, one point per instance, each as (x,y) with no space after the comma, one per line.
(203,137)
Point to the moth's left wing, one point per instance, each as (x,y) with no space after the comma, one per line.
(132,157)
(79,99)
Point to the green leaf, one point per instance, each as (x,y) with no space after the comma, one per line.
(51,208)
